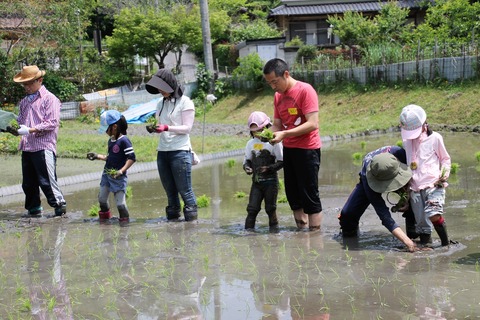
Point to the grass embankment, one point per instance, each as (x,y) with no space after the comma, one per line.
(343,112)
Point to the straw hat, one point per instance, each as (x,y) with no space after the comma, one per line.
(28,73)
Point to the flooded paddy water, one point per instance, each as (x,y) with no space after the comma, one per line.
(77,268)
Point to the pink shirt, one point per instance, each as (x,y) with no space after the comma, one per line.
(291,108)
(42,114)
(431,157)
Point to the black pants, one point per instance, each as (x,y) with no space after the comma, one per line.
(39,171)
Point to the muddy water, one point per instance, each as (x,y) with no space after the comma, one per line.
(77,268)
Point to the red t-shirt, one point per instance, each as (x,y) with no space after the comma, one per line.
(291,107)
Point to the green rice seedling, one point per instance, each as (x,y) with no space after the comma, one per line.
(93,211)
(477,156)
(454,168)
(266,135)
(203,201)
(363,145)
(240,194)
(14,124)
(399,143)
(231,163)
(111,172)
(129,192)
(152,121)
(357,156)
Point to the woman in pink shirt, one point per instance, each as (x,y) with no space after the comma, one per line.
(430,163)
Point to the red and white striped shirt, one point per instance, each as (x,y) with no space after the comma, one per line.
(42,114)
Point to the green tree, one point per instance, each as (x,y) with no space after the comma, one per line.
(455,21)
(391,23)
(258,29)
(353,28)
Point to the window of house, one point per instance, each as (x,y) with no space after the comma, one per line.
(311,32)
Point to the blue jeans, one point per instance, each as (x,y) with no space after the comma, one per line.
(175,170)
(358,201)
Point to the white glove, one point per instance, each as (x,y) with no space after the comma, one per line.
(24,130)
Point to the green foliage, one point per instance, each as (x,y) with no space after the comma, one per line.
(477,156)
(353,28)
(357,156)
(295,42)
(230,163)
(449,20)
(306,53)
(282,199)
(63,89)
(454,168)
(257,29)
(240,194)
(226,54)
(203,201)
(93,211)
(250,68)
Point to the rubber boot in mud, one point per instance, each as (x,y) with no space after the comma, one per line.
(104,215)
(425,238)
(124,216)
(190,213)
(173,213)
(273,221)
(442,233)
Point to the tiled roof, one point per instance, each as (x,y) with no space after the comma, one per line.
(321,9)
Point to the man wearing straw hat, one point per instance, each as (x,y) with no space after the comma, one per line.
(39,120)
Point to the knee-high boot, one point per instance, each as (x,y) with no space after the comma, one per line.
(442,233)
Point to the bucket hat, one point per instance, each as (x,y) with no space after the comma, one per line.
(412,119)
(28,73)
(385,173)
(108,118)
(260,119)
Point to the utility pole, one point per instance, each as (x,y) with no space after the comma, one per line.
(207,41)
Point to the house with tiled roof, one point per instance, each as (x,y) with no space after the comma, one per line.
(307,19)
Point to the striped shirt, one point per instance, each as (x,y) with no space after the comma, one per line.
(43,114)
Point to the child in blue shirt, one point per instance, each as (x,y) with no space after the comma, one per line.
(120,157)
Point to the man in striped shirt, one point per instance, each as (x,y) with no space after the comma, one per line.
(39,120)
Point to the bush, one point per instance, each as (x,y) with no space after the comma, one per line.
(306,53)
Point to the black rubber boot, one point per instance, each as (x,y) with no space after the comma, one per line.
(347,233)
(442,233)
(173,213)
(273,221)
(425,238)
(190,213)
(410,224)
(250,222)
(124,215)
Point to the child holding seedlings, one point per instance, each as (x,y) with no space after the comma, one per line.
(119,159)
(430,163)
(262,161)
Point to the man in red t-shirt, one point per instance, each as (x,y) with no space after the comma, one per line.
(295,124)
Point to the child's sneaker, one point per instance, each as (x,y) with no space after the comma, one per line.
(60,210)
(34,213)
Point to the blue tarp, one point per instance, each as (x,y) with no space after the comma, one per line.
(139,113)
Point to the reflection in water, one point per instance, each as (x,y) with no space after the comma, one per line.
(214,269)
(47,286)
